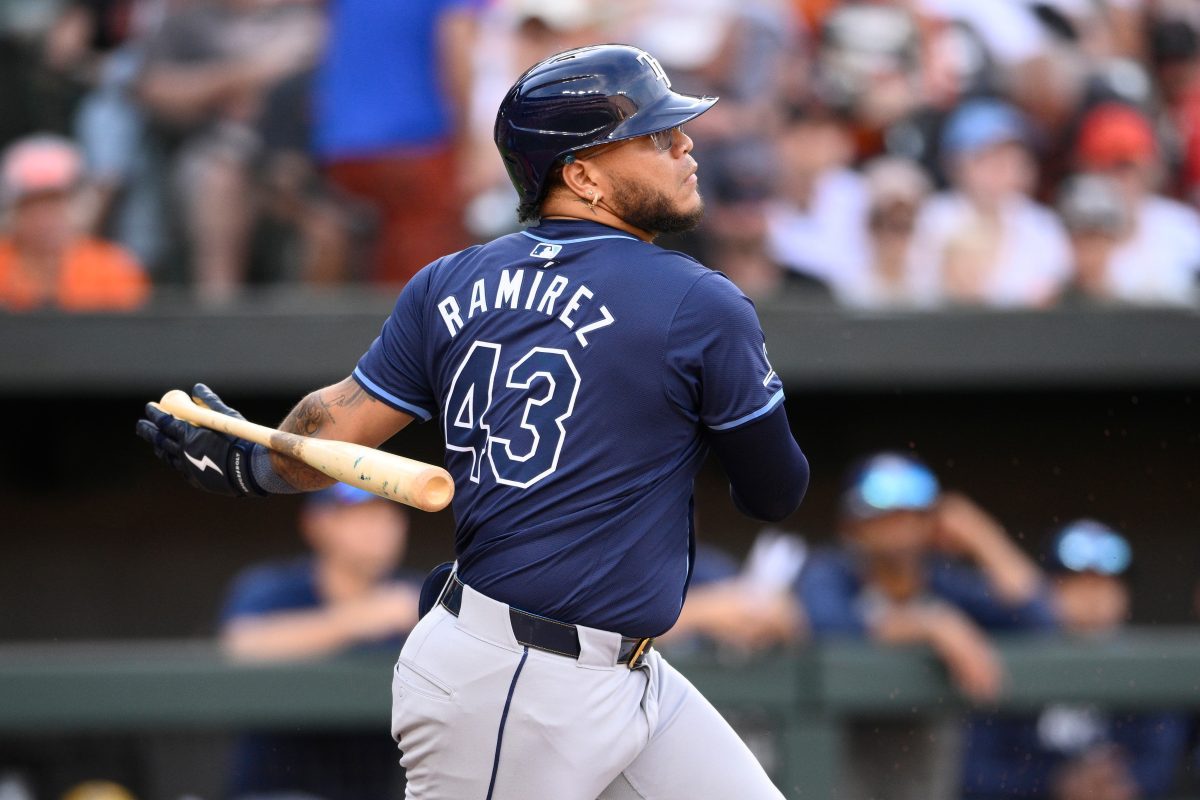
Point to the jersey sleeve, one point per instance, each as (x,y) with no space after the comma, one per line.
(392,370)
(717,357)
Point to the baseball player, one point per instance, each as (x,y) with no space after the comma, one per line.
(580,375)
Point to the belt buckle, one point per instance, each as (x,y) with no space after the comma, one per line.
(639,652)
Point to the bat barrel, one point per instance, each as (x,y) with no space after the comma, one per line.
(436,493)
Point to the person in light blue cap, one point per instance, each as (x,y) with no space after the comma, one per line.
(985,242)
(979,124)
(917,564)
(1078,752)
(911,554)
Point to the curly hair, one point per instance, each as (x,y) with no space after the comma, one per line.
(530,211)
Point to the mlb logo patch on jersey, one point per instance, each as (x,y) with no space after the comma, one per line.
(546,250)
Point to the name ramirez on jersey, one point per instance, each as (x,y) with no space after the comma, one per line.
(528,289)
(577,373)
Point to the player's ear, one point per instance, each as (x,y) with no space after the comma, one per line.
(581,178)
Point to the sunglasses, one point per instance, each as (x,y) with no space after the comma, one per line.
(663,141)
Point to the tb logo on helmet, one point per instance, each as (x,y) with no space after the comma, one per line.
(656,67)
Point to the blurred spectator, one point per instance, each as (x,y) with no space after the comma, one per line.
(206,75)
(898,578)
(896,189)
(744,610)
(985,242)
(392,94)
(309,230)
(736,232)
(348,596)
(1000,46)
(1175,55)
(87,33)
(98,44)
(34,98)
(45,261)
(869,69)
(815,226)
(1159,252)
(520,33)
(1097,220)
(1072,752)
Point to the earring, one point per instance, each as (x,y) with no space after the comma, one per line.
(595,199)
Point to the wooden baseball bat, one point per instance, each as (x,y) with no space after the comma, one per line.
(392,477)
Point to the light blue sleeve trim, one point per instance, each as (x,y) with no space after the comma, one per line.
(574,241)
(374,388)
(775,400)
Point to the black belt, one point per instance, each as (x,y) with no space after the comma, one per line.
(547,634)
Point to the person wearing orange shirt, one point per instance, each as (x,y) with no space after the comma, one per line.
(45,260)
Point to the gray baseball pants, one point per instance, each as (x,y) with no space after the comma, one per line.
(480,717)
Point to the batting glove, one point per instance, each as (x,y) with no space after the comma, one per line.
(215,462)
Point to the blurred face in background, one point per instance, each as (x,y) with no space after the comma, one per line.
(1090,603)
(996,173)
(809,147)
(891,223)
(1135,178)
(890,549)
(1092,249)
(43,222)
(896,536)
(367,539)
(538,38)
(738,232)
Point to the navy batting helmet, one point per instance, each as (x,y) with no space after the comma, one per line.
(581,98)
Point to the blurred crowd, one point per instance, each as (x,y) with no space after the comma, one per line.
(888,153)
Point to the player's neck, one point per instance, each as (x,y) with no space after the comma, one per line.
(555,208)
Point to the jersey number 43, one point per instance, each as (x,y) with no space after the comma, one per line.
(522,444)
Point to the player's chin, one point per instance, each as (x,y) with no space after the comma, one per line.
(692,203)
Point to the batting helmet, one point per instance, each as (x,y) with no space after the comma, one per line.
(581,98)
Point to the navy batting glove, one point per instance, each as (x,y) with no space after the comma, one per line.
(215,462)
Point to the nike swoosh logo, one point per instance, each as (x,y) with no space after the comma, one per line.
(203,463)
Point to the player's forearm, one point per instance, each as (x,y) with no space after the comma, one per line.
(342,411)
(312,415)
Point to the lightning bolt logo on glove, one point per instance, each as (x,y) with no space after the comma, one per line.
(203,463)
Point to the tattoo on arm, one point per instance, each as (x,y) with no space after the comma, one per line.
(310,416)
(321,407)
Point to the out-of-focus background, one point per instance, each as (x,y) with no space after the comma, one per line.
(971,231)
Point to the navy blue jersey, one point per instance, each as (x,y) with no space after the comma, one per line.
(574,370)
